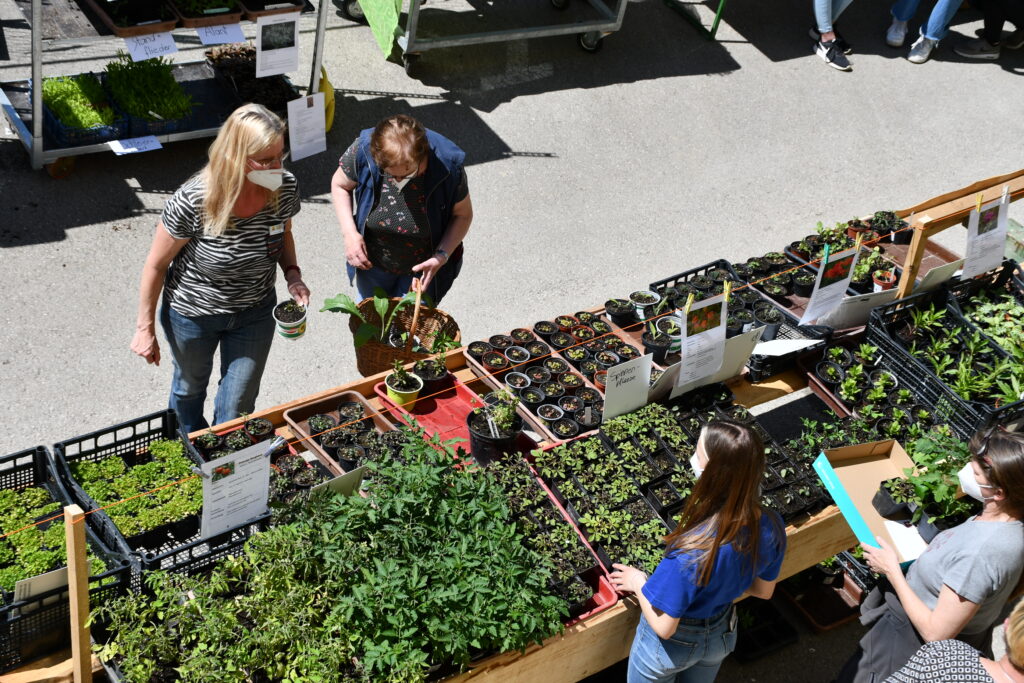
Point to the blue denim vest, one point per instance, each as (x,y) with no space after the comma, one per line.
(444,173)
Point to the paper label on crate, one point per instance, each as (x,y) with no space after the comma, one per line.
(834,277)
(307,126)
(938,275)
(277,44)
(147,143)
(780,347)
(151,45)
(345,484)
(26,589)
(217,35)
(703,347)
(986,235)
(235,489)
(627,385)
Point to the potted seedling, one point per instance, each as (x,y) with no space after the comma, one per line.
(803,283)
(517,380)
(493,428)
(671,325)
(566,322)
(840,356)
(866,355)
(259,428)
(829,373)
(501,341)
(644,301)
(477,349)
(320,424)
(655,342)
(849,391)
(545,328)
(600,378)
(884,279)
(770,317)
(208,443)
(403,387)
(237,440)
(895,499)
(522,336)
(550,413)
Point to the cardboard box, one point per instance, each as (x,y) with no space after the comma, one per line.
(852,475)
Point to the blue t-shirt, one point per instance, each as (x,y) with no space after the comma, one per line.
(673,588)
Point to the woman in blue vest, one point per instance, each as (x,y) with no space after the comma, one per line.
(724,546)
(402,199)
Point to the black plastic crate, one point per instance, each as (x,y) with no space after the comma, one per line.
(41,625)
(964,417)
(1003,280)
(129,440)
(688,275)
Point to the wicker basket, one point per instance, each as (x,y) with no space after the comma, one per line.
(374,357)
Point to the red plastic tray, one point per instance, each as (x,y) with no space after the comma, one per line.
(442,413)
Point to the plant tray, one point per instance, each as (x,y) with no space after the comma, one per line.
(214,19)
(819,389)
(258,9)
(443,413)
(824,607)
(964,417)
(771,631)
(297,418)
(40,625)
(1002,280)
(98,6)
(67,136)
(812,266)
(130,439)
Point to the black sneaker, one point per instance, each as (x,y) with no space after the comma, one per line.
(832,55)
(844,46)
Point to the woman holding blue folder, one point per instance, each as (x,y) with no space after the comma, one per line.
(959,585)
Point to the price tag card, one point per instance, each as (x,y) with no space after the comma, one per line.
(277,44)
(146,143)
(307,126)
(986,235)
(703,340)
(834,276)
(627,385)
(235,489)
(149,46)
(225,33)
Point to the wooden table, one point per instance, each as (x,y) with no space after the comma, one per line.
(601,641)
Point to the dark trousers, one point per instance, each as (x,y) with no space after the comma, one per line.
(997,13)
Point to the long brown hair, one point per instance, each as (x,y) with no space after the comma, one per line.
(725,504)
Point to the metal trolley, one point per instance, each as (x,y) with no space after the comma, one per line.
(63,22)
(589,32)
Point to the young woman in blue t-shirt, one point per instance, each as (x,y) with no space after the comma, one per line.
(688,625)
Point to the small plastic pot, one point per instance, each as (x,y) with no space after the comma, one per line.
(405,398)
(550,413)
(803,284)
(517,380)
(477,349)
(544,328)
(883,280)
(821,370)
(517,355)
(538,374)
(599,379)
(644,301)
(621,311)
(501,342)
(658,346)
(593,422)
(291,324)
(566,322)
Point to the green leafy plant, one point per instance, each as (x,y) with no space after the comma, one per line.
(147,89)
(78,101)
(343,303)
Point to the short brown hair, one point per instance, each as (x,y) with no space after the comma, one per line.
(399,140)
(1000,454)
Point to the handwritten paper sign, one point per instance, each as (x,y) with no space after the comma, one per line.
(834,276)
(703,346)
(626,386)
(151,45)
(225,33)
(277,44)
(235,489)
(146,143)
(307,127)
(986,235)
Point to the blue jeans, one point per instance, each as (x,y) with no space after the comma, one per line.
(244,339)
(938,21)
(693,654)
(827,11)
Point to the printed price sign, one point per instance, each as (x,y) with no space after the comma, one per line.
(225,33)
(235,489)
(147,143)
(149,46)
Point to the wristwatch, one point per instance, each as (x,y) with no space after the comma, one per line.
(442,252)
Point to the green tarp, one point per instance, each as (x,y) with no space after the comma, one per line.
(383,18)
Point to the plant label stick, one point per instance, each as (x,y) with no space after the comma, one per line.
(149,46)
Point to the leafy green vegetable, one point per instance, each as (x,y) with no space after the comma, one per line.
(78,101)
(147,89)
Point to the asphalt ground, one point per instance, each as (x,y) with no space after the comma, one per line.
(591,175)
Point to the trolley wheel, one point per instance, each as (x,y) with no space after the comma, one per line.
(560,4)
(590,41)
(61,168)
(410,61)
(352,10)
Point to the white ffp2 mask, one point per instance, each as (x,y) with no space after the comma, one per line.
(271,178)
(969,483)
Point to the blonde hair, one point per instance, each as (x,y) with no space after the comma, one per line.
(1014,635)
(399,140)
(249,130)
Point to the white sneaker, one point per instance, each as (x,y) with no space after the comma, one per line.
(897,33)
(921,50)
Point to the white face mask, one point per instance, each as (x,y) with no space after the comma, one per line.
(695,464)
(270,178)
(969,483)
